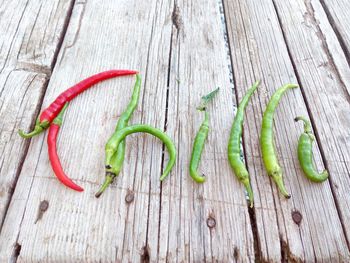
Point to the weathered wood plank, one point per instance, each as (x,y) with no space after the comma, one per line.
(210,221)
(338,14)
(259,51)
(170,221)
(80,227)
(325,82)
(30,34)
(21,92)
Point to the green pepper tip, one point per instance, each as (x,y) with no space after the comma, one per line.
(163,177)
(248,188)
(292,86)
(108,180)
(201,179)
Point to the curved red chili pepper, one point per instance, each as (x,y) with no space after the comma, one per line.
(52,148)
(50,113)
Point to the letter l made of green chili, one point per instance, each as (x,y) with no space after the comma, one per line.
(266,139)
(234,145)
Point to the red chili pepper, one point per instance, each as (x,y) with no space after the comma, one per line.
(52,148)
(50,113)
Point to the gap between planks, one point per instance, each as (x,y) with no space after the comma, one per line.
(165,121)
(251,211)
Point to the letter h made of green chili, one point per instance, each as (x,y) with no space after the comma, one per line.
(116,156)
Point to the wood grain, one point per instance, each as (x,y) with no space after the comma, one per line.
(21,92)
(324,80)
(259,51)
(31,32)
(30,36)
(183,50)
(209,221)
(79,226)
(337,14)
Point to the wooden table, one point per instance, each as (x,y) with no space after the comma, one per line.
(183,49)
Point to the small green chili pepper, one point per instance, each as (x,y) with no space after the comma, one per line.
(234,145)
(305,153)
(266,140)
(200,138)
(117,158)
(120,135)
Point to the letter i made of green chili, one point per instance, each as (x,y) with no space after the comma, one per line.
(305,142)
(234,144)
(121,134)
(266,139)
(117,155)
(200,138)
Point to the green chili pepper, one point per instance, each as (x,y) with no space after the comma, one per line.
(200,138)
(266,140)
(117,157)
(234,145)
(305,153)
(120,135)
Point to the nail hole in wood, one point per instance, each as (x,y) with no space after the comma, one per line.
(211,222)
(236,253)
(145,254)
(44,205)
(129,197)
(297,217)
(16,252)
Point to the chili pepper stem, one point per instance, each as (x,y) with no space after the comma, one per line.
(249,190)
(39,128)
(109,179)
(307,125)
(206,99)
(280,185)
(59,119)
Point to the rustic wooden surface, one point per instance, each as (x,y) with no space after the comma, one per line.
(183,49)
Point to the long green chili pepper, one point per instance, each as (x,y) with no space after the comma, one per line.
(117,157)
(200,138)
(305,153)
(266,139)
(234,145)
(120,135)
